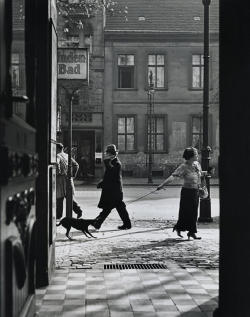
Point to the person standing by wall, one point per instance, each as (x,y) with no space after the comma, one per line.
(191,172)
(112,194)
(61,181)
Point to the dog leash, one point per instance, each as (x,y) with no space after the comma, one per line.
(132,201)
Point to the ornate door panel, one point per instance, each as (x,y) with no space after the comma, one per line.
(19,152)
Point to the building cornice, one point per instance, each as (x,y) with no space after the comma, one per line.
(160,102)
(154,35)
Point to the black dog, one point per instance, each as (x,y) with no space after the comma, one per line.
(79,224)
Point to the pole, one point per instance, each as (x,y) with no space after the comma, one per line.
(150,113)
(150,178)
(205,204)
(69,198)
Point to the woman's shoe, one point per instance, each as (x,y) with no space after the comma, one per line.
(178,232)
(193,235)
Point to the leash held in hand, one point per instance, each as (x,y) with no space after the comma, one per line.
(132,201)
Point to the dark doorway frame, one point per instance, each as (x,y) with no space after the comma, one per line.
(234,159)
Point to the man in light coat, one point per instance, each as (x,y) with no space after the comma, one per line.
(61,181)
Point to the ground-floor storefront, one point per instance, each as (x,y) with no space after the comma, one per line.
(87,147)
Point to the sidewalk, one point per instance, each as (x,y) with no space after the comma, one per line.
(133,181)
(83,286)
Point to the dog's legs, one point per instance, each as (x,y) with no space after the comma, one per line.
(85,234)
(87,231)
(67,233)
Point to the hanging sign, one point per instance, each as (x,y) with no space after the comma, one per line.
(72,63)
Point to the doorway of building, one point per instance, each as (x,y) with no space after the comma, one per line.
(83,151)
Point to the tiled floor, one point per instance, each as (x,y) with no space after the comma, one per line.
(171,292)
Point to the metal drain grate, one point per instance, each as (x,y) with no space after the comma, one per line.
(137,266)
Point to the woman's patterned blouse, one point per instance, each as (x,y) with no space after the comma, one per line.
(190,173)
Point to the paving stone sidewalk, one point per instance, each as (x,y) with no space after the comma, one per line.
(130,293)
(81,286)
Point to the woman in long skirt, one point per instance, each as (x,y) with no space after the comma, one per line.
(191,173)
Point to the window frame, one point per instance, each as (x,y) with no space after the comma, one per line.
(165,130)
(210,132)
(200,67)
(76,100)
(156,66)
(15,65)
(118,116)
(200,116)
(156,52)
(198,52)
(117,71)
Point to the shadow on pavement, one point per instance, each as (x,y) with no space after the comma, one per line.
(121,233)
(207,307)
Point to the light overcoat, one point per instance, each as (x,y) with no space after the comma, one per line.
(61,174)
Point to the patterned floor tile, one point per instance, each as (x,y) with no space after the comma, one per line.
(151,294)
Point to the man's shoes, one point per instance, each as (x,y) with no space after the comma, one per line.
(79,215)
(124,227)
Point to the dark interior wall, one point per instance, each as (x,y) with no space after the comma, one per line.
(234,169)
(41,43)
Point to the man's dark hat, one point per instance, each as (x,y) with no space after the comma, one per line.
(111,148)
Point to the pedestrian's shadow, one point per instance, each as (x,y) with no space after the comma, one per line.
(73,241)
(164,243)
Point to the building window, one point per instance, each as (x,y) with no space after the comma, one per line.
(197,71)
(59,119)
(126,65)
(126,133)
(197,132)
(73,40)
(157,128)
(15,68)
(156,69)
(76,100)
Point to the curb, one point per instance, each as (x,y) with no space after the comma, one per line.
(139,185)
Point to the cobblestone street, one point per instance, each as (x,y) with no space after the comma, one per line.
(149,241)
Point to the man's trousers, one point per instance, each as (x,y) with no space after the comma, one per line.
(122,211)
(59,208)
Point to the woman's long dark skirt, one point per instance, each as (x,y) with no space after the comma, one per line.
(188,211)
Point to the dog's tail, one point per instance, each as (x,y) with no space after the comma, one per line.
(58,224)
(91,221)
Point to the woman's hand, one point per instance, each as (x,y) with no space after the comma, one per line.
(108,157)
(211,170)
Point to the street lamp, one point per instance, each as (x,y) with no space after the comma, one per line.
(150,127)
(205,204)
(69,193)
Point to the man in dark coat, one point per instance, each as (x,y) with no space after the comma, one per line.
(112,194)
